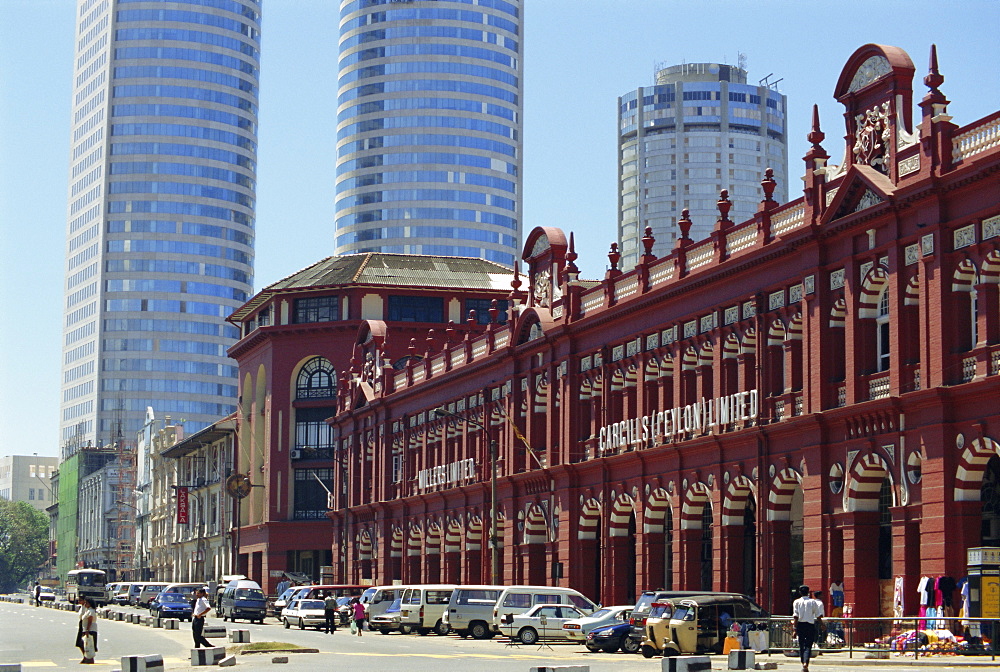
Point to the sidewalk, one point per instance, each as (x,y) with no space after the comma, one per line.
(843,659)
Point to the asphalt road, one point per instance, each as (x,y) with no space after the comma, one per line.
(43,638)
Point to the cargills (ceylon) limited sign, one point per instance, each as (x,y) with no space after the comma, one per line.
(446,474)
(699,416)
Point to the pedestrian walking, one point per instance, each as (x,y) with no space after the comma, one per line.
(330,611)
(38,594)
(86,633)
(807,616)
(359,615)
(201,609)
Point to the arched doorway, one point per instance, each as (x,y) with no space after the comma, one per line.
(750,547)
(885,547)
(706,547)
(668,550)
(990,497)
(630,542)
(796,573)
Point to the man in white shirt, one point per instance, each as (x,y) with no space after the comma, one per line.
(201,609)
(807,615)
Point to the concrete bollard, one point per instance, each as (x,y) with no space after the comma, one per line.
(562,668)
(10,667)
(153,663)
(171,624)
(210,656)
(280,659)
(156,622)
(765,666)
(686,664)
(742,659)
(119,615)
(228,661)
(239,637)
(212,631)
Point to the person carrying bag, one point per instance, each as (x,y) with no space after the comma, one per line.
(86,634)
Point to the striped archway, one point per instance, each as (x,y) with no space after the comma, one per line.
(621,513)
(748,346)
(697,497)
(658,367)
(536,528)
(912,295)
(875,282)
(617,380)
(777,333)
(415,541)
(657,505)
(971,467)
(590,518)
(706,354)
(453,536)
(541,402)
(964,279)
(631,376)
(432,540)
(365,545)
(739,490)
(690,359)
(794,331)
(779,497)
(731,346)
(838,314)
(867,474)
(396,543)
(474,534)
(990,272)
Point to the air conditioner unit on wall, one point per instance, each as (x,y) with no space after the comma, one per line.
(296,454)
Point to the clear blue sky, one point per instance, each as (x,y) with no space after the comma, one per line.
(579,56)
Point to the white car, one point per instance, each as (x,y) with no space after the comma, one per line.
(304,613)
(577,629)
(542,621)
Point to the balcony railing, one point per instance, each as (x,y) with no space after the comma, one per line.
(878,387)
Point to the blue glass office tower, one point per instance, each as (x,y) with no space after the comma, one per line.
(429,128)
(160,222)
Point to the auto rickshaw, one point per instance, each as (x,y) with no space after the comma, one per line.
(697,625)
(656,628)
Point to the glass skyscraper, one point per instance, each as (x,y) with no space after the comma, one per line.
(429,128)
(700,129)
(160,222)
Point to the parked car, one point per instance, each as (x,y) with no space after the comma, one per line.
(46,594)
(171,605)
(610,638)
(424,606)
(282,601)
(577,629)
(388,620)
(134,592)
(121,594)
(378,599)
(305,613)
(518,599)
(470,611)
(542,621)
(695,625)
(345,608)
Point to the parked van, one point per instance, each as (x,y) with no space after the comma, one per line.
(134,592)
(122,593)
(518,599)
(695,625)
(470,610)
(422,608)
(243,598)
(377,599)
(149,591)
(185,589)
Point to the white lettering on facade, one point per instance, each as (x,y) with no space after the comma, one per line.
(447,474)
(704,414)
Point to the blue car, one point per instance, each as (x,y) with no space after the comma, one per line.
(171,605)
(611,638)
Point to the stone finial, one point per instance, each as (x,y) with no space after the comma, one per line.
(571,257)
(449,333)
(412,349)
(648,241)
(429,348)
(724,205)
(815,135)
(768,184)
(933,79)
(494,311)
(471,320)
(614,256)
(685,224)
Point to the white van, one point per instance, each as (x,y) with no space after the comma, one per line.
(470,611)
(378,598)
(422,608)
(518,599)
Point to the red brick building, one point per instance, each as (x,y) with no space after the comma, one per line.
(807,396)
(298,338)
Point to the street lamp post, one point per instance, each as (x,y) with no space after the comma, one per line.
(494,537)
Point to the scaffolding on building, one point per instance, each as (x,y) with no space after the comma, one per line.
(123,488)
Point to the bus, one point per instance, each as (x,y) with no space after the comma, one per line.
(87,583)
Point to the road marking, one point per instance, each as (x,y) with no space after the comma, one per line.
(39,663)
(448,656)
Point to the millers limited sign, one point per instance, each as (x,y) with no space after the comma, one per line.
(703,414)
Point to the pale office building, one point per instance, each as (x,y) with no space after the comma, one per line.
(699,129)
(25,478)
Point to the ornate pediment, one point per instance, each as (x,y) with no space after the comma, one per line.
(872,69)
(863,187)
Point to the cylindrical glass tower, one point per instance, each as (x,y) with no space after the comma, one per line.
(429,128)
(160,224)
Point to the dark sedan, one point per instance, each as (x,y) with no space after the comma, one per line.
(171,605)
(610,639)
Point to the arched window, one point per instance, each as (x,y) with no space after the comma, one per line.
(973,319)
(317,380)
(882,350)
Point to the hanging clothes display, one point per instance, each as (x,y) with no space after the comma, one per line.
(836,599)
(897,597)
